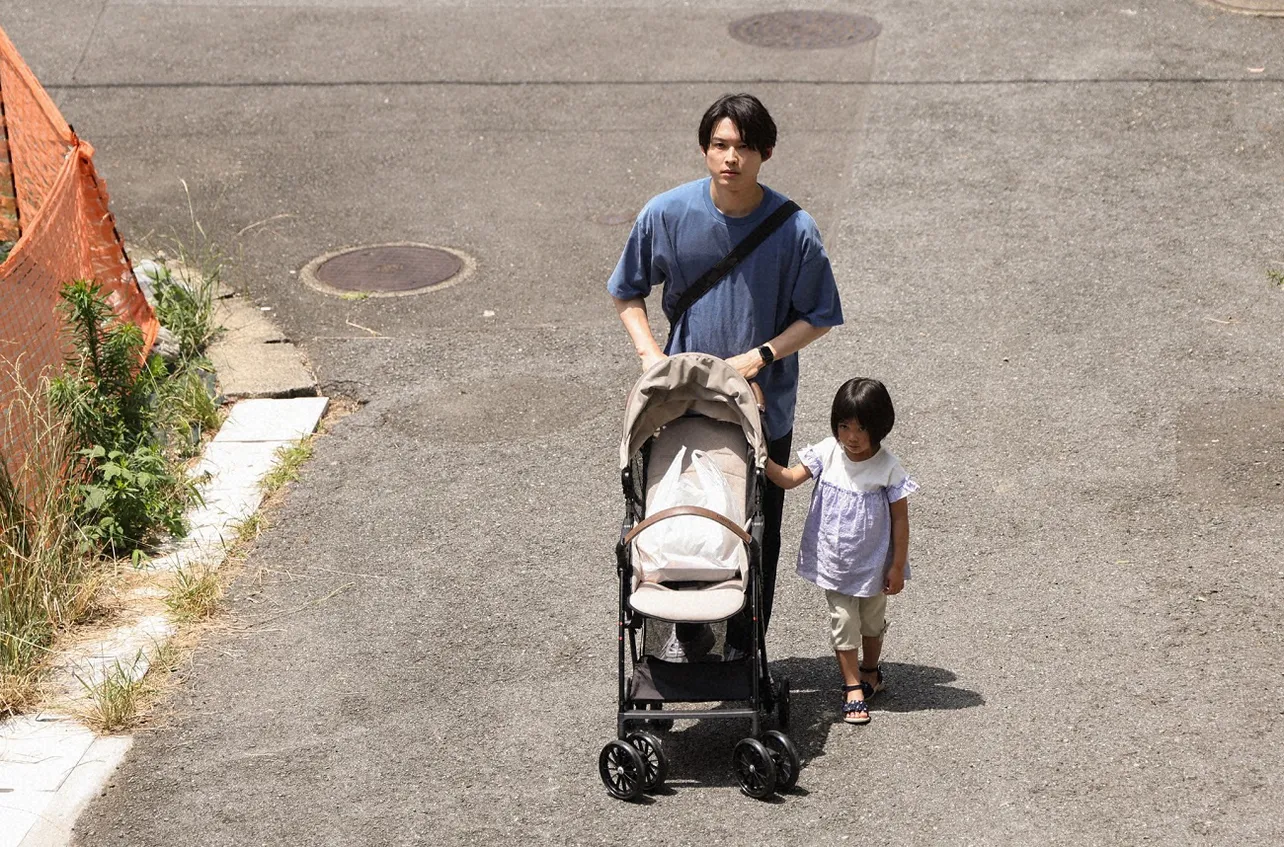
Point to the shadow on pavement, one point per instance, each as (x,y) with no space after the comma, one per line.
(699,752)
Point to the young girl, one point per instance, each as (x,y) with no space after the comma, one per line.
(856,539)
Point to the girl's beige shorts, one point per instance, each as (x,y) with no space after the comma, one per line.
(853,617)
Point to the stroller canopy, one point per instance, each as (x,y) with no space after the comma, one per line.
(690,382)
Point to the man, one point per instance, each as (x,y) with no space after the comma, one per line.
(778,300)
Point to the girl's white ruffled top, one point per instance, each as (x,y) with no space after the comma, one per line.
(847,539)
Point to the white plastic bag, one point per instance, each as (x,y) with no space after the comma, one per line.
(689,547)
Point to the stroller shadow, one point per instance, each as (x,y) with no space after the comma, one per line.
(815,695)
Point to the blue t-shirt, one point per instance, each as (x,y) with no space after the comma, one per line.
(680,234)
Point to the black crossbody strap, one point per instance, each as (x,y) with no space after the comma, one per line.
(748,244)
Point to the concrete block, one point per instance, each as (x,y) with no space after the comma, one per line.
(237,464)
(37,754)
(273,420)
(253,358)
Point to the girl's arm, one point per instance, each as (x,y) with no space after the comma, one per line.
(900,547)
(787,478)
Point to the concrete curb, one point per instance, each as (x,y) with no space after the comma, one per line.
(254,359)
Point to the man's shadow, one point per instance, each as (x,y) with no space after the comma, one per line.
(700,752)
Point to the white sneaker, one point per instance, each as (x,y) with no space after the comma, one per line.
(688,651)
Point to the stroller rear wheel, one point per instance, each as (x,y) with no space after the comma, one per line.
(782,702)
(657,764)
(755,768)
(785,757)
(623,770)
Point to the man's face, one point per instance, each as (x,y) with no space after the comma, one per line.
(731,164)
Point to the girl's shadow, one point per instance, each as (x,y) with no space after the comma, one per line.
(816,696)
(700,752)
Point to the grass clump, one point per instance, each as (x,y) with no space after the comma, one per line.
(289,461)
(48,574)
(1276,276)
(195,593)
(115,700)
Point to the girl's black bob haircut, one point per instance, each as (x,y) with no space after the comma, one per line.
(868,402)
(757,129)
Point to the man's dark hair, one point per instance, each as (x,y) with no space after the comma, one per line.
(757,129)
(867,401)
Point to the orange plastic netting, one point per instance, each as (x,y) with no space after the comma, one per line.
(54,206)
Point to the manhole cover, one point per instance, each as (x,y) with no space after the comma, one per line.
(802,30)
(387,270)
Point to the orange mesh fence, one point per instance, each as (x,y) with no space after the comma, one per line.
(54,206)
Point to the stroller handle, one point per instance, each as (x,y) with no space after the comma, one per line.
(698,511)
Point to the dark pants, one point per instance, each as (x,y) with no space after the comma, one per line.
(740,627)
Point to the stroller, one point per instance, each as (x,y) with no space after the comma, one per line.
(688,403)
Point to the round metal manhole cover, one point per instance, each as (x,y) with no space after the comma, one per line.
(387,270)
(805,30)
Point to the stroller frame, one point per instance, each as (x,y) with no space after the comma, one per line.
(631,621)
(683,386)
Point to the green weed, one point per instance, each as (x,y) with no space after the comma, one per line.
(48,577)
(122,415)
(289,460)
(114,701)
(195,593)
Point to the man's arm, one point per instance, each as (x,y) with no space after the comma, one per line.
(795,337)
(633,315)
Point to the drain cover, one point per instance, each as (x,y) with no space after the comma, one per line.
(804,30)
(386,269)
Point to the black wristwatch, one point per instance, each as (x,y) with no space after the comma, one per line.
(767,356)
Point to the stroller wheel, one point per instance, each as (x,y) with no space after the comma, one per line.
(785,757)
(622,769)
(657,764)
(755,768)
(782,702)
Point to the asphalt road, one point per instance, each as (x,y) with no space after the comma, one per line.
(1052,224)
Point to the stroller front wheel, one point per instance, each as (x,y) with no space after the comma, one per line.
(657,764)
(755,768)
(785,756)
(623,770)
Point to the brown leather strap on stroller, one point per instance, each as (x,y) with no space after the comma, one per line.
(698,511)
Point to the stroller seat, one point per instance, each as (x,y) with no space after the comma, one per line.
(682,593)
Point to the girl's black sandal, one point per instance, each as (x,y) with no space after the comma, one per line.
(855,711)
(871,690)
